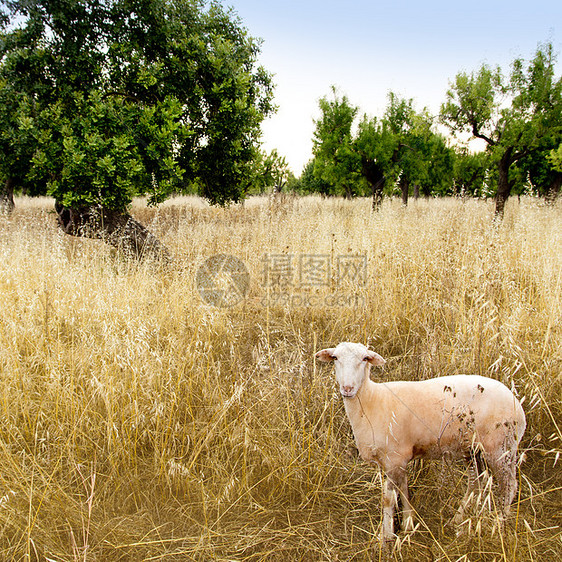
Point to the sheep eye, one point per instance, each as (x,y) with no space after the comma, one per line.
(366,358)
(334,358)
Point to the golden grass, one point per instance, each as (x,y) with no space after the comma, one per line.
(138,423)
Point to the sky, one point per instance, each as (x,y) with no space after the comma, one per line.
(368,48)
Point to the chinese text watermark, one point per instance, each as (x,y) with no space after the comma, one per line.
(301,280)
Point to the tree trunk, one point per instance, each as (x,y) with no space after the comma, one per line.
(374,175)
(404,188)
(120,230)
(7,197)
(554,188)
(378,193)
(416,191)
(504,185)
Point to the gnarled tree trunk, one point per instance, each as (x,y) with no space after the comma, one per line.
(374,175)
(7,197)
(504,185)
(120,230)
(404,188)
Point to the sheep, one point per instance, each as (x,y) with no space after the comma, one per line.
(459,416)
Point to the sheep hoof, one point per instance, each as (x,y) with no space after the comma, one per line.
(388,545)
(409,524)
(385,548)
(388,540)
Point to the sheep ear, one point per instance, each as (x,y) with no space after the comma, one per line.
(375,359)
(326,355)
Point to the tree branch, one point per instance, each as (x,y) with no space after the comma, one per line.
(479,135)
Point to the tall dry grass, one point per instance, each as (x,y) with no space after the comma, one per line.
(139,423)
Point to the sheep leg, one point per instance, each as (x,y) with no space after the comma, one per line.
(474,466)
(407,510)
(389,501)
(504,470)
(396,482)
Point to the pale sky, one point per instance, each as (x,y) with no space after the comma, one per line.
(367,48)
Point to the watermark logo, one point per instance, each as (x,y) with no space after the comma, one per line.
(301,280)
(304,271)
(223,281)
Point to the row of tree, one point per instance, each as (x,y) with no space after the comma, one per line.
(518,116)
(104,100)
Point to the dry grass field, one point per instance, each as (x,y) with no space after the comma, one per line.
(139,423)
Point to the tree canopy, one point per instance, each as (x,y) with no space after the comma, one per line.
(114,98)
(103,100)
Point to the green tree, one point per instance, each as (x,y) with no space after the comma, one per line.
(421,157)
(17,143)
(270,171)
(402,146)
(378,148)
(414,131)
(336,162)
(134,97)
(511,114)
(439,161)
(310,183)
(470,171)
(537,169)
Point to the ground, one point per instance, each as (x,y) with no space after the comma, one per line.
(142,423)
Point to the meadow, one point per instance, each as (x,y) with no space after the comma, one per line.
(138,422)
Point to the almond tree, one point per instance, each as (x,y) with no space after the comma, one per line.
(336,162)
(378,147)
(125,98)
(511,114)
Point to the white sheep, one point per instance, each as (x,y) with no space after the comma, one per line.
(460,416)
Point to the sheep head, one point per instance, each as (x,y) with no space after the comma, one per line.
(352,362)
